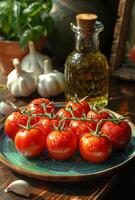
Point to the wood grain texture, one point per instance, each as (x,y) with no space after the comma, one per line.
(45,190)
(120,33)
(121,100)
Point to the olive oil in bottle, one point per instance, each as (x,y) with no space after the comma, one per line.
(86,68)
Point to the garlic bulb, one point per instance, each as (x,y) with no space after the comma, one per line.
(34,61)
(50,83)
(19,82)
(5,108)
(20,187)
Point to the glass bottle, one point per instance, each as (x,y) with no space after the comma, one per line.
(86,68)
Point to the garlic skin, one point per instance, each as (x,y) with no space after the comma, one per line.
(33,61)
(19,82)
(52,82)
(5,108)
(20,187)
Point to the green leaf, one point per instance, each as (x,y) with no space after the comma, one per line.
(3,5)
(25,19)
(38,31)
(33,9)
(4,26)
(4,18)
(47,6)
(16,18)
(25,38)
(49,24)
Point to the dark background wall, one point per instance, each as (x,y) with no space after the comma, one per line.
(61,42)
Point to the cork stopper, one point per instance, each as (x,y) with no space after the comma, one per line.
(86,21)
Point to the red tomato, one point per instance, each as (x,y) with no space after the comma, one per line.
(74,124)
(86,106)
(132,54)
(81,127)
(95,149)
(61,144)
(40,105)
(98,115)
(54,123)
(45,125)
(76,108)
(30,142)
(119,134)
(13,122)
(62,113)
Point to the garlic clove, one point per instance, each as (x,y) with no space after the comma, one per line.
(5,108)
(20,187)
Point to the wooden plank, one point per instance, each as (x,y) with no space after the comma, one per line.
(120,33)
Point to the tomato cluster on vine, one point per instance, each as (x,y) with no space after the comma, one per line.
(78,126)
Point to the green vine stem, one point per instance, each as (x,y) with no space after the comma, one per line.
(69,109)
(84,118)
(76,99)
(49,115)
(117,120)
(83,99)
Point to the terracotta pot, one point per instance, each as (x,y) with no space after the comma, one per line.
(10,50)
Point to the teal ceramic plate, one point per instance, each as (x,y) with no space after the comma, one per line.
(74,169)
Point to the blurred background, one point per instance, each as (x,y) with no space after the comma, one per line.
(61,41)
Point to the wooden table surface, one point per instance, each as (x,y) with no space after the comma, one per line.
(121,100)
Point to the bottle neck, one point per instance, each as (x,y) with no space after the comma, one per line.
(89,42)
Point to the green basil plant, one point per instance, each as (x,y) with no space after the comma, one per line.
(25,20)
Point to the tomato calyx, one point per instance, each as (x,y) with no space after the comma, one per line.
(28,125)
(116,120)
(31,117)
(46,105)
(79,100)
(112,117)
(76,99)
(61,125)
(23,111)
(70,110)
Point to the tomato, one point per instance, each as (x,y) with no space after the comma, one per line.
(81,127)
(13,122)
(76,108)
(61,144)
(85,106)
(119,134)
(62,113)
(74,124)
(95,149)
(30,142)
(132,54)
(45,125)
(40,105)
(54,123)
(98,115)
